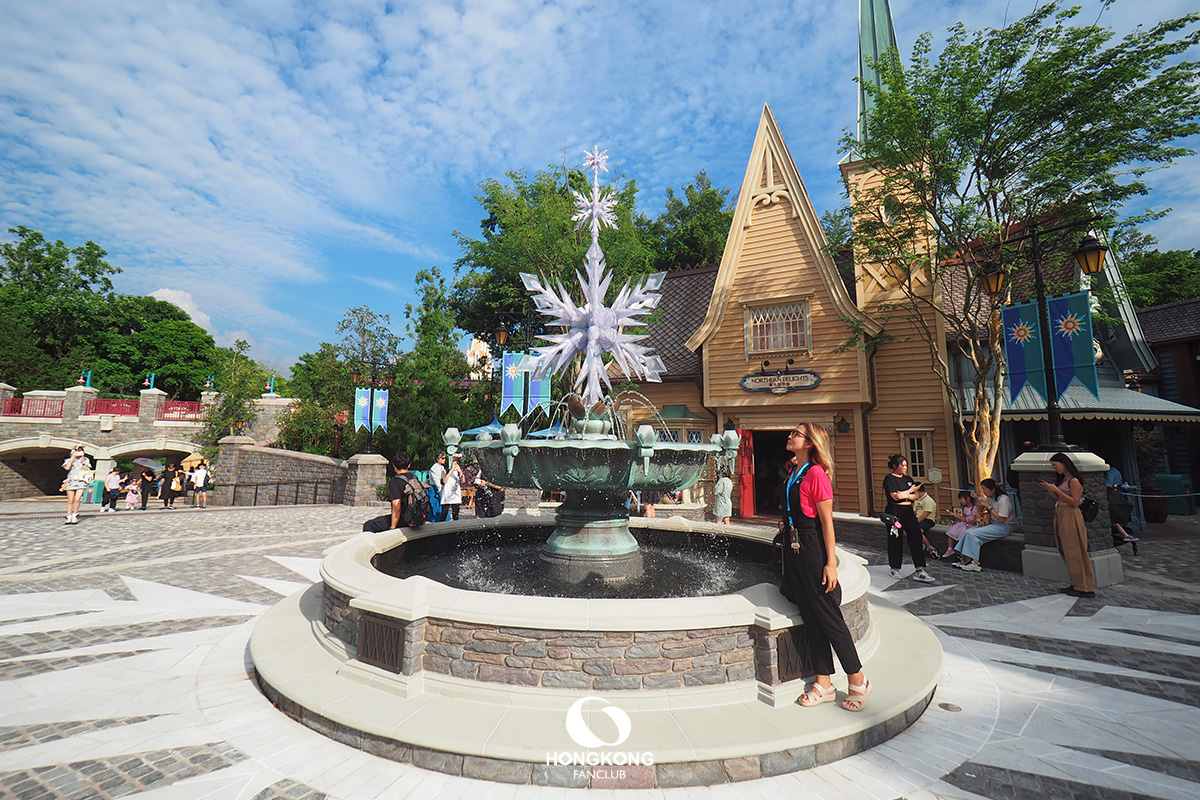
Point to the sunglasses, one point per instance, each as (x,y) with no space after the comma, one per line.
(796,433)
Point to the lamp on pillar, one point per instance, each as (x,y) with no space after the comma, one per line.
(238,425)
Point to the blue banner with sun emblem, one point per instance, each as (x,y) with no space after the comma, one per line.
(380,418)
(1023,350)
(1071,340)
(539,392)
(512,384)
(362,408)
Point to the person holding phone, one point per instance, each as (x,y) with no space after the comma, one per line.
(79,480)
(901,491)
(1070,531)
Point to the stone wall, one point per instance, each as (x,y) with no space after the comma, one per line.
(282,477)
(30,478)
(1037,508)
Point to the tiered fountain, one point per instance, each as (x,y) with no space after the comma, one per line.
(581,690)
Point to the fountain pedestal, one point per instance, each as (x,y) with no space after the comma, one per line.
(591,540)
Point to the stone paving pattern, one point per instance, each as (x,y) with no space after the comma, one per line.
(255,556)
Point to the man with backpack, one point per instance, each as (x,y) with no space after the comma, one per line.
(410,505)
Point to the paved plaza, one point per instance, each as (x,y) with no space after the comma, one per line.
(123,659)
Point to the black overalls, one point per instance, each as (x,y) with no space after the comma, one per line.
(803,568)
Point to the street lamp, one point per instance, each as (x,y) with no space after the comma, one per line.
(375,379)
(1090,257)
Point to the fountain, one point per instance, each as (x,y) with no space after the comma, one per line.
(588,689)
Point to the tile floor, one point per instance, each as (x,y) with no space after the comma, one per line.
(123,674)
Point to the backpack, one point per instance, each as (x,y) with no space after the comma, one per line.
(414,508)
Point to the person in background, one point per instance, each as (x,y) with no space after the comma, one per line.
(649,498)
(1120,510)
(133,494)
(200,485)
(437,477)
(79,480)
(148,483)
(112,490)
(925,510)
(900,491)
(965,516)
(723,496)
(996,519)
(169,486)
(452,489)
(1070,531)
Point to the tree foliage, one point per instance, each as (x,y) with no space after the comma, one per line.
(691,232)
(1034,122)
(1154,277)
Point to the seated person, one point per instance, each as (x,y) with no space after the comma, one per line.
(925,509)
(965,515)
(996,519)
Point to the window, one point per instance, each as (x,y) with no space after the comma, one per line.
(668,435)
(695,437)
(917,447)
(774,329)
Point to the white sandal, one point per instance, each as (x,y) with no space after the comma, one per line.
(817,694)
(857,696)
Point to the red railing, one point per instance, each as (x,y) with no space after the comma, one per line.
(118,408)
(180,411)
(32,407)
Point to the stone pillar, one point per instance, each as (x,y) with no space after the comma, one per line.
(1040,558)
(75,403)
(225,469)
(367,470)
(270,407)
(6,393)
(152,400)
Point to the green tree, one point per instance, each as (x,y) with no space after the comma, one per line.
(239,381)
(691,232)
(179,352)
(323,378)
(838,234)
(367,336)
(528,228)
(429,395)
(1037,120)
(1155,277)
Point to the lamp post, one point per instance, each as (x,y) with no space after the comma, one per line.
(375,379)
(502,335)
(1090,257)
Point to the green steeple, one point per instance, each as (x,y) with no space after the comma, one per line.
(876,35)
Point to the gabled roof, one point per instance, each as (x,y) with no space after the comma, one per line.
(770,175)
(684,296)
(1171,322)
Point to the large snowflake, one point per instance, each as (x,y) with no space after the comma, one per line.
(595,329)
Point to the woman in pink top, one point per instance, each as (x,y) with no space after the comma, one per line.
(810,577)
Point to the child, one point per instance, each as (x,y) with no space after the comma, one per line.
(966,518)
(132,497)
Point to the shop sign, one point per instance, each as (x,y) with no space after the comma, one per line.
(781,382)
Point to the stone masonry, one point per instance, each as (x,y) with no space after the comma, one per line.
(244,470)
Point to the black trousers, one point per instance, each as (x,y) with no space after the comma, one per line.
(824,626)
(912,532)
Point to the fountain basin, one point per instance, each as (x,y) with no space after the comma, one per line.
(455,680)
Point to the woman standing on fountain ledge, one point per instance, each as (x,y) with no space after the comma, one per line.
(810,575)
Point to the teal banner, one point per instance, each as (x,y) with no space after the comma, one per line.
(1023,349)
(380,418)
(1071,338)
(512,384)
(362,408)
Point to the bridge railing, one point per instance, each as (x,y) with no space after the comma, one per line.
(114,406)
(44,407)
(290,493)
(180,411)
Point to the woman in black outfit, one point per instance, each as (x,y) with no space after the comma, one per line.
(900,492)
(168,492)
(810,575)
(148,481)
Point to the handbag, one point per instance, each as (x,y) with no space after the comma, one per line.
(1089,508)
(175,486)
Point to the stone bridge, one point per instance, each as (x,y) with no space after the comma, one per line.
(39,429)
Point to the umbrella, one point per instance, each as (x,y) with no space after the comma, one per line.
(494,427)
(192,460)
(148,462)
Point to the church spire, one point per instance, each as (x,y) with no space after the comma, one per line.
(876,35)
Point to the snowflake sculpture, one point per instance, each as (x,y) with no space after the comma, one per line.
(595,329)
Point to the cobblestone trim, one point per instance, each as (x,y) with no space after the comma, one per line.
(1182,768)
(106,778)
(1185,693)
(988,781)
(14,737)
(795,660)
(288,789)
(339,617)
(669,775)
(12,670)
(32,644)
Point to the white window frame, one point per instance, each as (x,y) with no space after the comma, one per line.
(752,311)
(918,470)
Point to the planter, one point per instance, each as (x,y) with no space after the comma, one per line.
(1154,505)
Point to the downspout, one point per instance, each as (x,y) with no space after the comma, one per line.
(866,429)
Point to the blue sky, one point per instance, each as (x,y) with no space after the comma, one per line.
(269,164)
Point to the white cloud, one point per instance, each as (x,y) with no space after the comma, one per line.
(185,301)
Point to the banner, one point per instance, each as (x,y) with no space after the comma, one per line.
(362,408)
(1071,342)
(539,392)
(1023,349)
(512,384)
(380,419)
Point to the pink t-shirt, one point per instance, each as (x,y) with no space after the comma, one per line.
(814,488)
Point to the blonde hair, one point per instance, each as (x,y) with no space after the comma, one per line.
(818,439)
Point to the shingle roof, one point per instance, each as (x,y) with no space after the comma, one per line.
(1171,321)
(685,297)
(1078,403)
